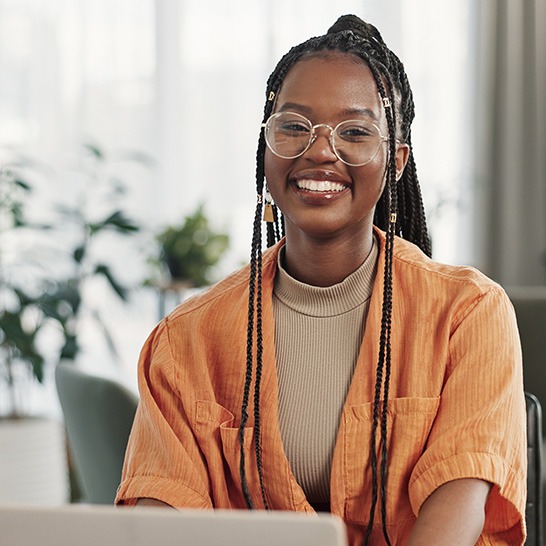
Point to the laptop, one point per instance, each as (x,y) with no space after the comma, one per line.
(94,525)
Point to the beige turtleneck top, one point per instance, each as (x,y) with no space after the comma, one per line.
(318,333)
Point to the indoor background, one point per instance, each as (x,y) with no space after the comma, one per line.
(154,107)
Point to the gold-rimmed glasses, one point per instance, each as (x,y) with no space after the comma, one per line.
(355,142)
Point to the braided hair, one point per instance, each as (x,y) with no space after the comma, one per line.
(399,212)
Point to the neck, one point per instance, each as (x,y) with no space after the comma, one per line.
(325,262)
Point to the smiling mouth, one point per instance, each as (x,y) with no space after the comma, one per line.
(323,186)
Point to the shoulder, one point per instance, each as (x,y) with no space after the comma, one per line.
(413,267)
(432,290)
(410,257)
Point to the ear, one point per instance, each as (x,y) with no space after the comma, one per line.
(402,155)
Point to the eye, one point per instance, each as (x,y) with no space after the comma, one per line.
(356,131)
(291,124)
(293,127)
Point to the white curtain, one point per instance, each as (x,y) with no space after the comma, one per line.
(510,182)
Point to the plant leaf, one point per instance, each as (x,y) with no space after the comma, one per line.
(121,222)
(121,291)
(37,362)
(70,348)
(143,158)
(21,341)
(66,293)
(106,334)
(22,184)
(79,253)
(118,221)
(95,150)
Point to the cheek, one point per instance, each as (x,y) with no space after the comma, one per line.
(371,179)
(268,163)
(382,166)
(275,169)
(377,168)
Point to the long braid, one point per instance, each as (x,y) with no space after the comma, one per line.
(278,225)
(254,296)
(254,271)
(399,212)
(274,229)
(387,297)
(259,353)
(418,228)
(384,359)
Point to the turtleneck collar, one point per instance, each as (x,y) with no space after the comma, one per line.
(331,300)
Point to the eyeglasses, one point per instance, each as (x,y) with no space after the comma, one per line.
(355,142)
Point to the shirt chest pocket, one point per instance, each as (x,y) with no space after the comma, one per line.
(218,439)
(409,421)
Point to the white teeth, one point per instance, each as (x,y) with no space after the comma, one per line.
(320,185)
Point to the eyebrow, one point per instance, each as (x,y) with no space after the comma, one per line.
(294,106)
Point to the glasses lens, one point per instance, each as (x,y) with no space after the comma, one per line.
(288,134)
(357,142)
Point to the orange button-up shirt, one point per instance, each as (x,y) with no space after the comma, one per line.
(456,406)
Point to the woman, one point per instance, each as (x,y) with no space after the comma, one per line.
(379,385)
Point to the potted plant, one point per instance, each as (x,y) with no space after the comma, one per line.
(189,251)
(31,450)
(187,254)
(34,304)
(20,316)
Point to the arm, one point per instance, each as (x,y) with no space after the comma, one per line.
(479,431)
(162,460)
(452,515)
(152,502)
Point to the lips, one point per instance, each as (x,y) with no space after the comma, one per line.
(320,181)
(320,185)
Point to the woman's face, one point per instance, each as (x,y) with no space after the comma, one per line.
(329,90)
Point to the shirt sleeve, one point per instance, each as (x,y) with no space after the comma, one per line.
(162,460)
(480,428)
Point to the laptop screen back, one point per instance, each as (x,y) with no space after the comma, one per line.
(109,526)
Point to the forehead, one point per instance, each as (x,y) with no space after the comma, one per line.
(333,84)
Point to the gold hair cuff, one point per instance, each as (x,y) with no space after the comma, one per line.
(269,217)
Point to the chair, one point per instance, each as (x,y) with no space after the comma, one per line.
(530,306)
(533,512)
(98,414)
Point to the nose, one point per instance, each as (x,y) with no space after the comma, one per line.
(320,150)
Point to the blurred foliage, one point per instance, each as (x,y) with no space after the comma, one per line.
(26,308)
